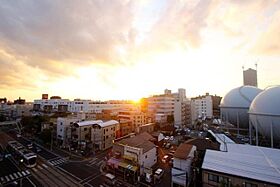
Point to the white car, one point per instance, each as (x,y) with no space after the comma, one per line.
(165,158)
(166,138)
(158,174)
(171,138)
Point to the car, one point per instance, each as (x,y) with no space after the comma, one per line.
(168,145)
(30,146)
(164,144)
(165,158)
(37,149)
(148,177)
(158,174)
(171,138)
(166,138)
(18,135)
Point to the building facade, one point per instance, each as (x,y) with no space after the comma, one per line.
(205,106)
(182,170)
(250,77)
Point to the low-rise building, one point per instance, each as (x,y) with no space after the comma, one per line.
(149,128)
(242,165)
(138,150)
(96,134)
(182,170)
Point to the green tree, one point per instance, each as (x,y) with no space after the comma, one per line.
(45,136)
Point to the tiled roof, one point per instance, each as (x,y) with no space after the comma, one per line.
(183,151)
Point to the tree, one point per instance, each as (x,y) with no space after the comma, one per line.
(2,118)
(46,135)
(32,124)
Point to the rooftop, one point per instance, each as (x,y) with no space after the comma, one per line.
(97,122)
(257,163)
(140,141)
(183,151)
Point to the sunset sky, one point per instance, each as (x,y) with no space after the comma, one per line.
(124,49)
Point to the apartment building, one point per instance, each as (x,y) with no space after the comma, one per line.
(205,106)
(241,165)
(56,104)
(174,104)
(136,117)
(63,129)
(95,134)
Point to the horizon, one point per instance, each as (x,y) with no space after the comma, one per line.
(126,50)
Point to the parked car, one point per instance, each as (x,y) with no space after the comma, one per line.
(166,138)
(37,149)
(158,174)
(18,135)
(30,146)
(171,138)
(168,145)
(149,177)
(164,144)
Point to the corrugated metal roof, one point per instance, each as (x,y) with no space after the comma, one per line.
(98,122)
(246,161)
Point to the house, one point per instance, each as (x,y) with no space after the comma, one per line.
(242,165)
(182,165)
(137,150)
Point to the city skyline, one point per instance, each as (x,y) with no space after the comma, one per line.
(128,50)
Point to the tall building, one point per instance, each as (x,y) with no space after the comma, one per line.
(250,77)
(171,104)
(205,106)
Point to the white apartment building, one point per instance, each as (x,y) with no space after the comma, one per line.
(63,131)
(181,170)
(100,134)
(205,106)
(56,104)
(202,107)
(51,105)
(169,103)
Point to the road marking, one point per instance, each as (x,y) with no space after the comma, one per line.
(7,178)
(44,165)
(11,176)
(15,175)
(19,174)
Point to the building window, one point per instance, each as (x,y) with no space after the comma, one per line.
(85,129)
(248,184)
(214,178)
(224,181)
(146,156)
(106,137)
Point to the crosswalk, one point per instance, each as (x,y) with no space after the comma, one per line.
(96,162)
(57,162)
(14,176)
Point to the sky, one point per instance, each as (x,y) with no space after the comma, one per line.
(124,49)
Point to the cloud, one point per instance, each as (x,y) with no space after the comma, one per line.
(269,41)
(15,74)
(41,32)
(179,25)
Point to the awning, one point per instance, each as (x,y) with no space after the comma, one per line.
(128,166)
(113,162)
(128,157)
